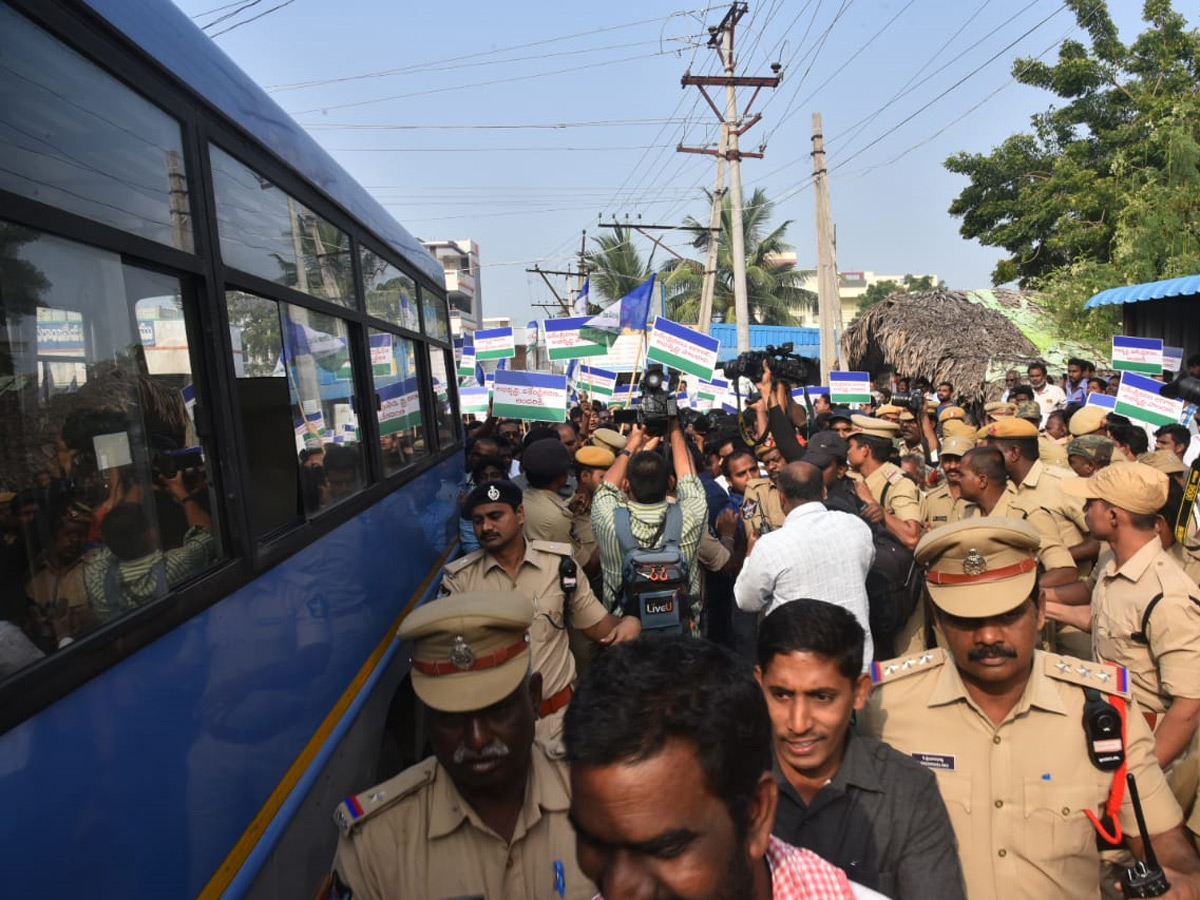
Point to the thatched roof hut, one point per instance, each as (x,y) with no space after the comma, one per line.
(942,335)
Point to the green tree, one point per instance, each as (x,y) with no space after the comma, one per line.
(773,284)
(616,267)
(880,290)
(1105,188)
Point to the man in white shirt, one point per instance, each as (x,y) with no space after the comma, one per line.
(818,553)
(1048,396)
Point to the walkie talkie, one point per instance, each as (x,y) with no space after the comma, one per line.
(1145,879)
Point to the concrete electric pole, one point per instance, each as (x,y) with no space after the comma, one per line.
(829,303)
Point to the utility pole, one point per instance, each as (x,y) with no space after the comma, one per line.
(714,236)
(829,303)
(721,38)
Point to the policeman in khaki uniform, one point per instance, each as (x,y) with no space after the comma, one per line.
(1145,614)
(487,815)
(544,572)
(547,467)
(1001,724)
(944,504)
(762,510)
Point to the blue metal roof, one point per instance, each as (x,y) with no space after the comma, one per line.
(1151,290)
(165,32)
(807,341)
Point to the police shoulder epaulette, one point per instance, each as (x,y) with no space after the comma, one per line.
(894,475)
(358,808)
(758,482)
(463,561)
(1102,676)
(556,547)
(902,666)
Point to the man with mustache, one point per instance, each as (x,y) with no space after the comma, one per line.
(1002,726)
(486,815)
(945,503)
(546,573)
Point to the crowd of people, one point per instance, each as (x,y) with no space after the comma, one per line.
(901,637)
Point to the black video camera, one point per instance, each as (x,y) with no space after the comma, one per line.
(658,404)
(914,401)
(786,365)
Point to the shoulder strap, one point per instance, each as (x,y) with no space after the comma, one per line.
(887,486)
(621,524)
(672,533)
(1140,635)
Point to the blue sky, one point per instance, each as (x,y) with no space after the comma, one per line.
(398,93)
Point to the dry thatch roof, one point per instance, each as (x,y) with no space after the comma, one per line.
(942,335)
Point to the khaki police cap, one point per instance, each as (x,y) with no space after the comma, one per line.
(1095,447)
(874,427)
(1163,460)
(956,445)
(595,457)
(606,437)
(1008,428)
(1087,420)
(959,428)
(980,567)
(906,416)
(998,409)
(1135,487)
(470,650)
(952,412)
(889,409)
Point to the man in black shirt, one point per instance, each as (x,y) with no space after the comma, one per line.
(867,808)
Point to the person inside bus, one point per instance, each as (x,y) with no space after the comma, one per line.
(342,467)
(56,587)
(131,568)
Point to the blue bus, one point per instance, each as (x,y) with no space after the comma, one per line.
(229,459)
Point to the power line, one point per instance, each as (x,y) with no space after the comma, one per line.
(267,12)
(240,8)
(549,126)
(492,149)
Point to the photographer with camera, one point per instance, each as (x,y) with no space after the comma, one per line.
(638,484)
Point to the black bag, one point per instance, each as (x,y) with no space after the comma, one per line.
(894,587)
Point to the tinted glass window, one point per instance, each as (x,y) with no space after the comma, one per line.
(437,318)
(105,496)
(269,234)
(398,393)
(441,362)
(295,382)
(391,295)
(76,138)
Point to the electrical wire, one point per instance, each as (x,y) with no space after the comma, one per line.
(263,14)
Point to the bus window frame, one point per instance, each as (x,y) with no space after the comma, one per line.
(245,557)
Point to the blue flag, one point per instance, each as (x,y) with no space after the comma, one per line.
(502,365)
(581,302)
(627,316)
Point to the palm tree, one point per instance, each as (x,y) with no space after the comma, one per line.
(616,267)
(773,285)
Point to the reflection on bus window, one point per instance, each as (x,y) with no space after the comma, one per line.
(270,234)
(437,317)
(74,137)
(391,295)
(105,500)
(445,422)
(295,381)
(398,392)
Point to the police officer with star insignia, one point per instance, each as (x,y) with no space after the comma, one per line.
(547,574)
(1029,758)
(487,814)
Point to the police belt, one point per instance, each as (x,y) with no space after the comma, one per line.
(553,704)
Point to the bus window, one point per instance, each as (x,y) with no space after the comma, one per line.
(295,381)
(391,295)
(437,318)
(105,500)
(398,392)
(269,234)
(441,362)
(74,137)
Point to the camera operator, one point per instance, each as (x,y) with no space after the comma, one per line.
(778,415)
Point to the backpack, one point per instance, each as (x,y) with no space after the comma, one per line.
(654,580)
(894,587)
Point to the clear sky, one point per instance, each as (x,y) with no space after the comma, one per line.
(432,107)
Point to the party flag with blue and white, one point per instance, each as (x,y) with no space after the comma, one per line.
(581,302)
(1139,398)
(565,341)
(1137,354)
(627,316)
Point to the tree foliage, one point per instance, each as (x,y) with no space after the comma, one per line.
(1105,187)
(615,267)
(773,283)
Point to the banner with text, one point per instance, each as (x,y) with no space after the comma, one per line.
(849,387)
(1104,401)
(466,365)
(474,400)
(399,406)
(530,395)
(597,382)
(563,340)
(1136,354)
(814,391)
(495,343)
(382,362)
(1172,359)
(1139,398)
(682,348)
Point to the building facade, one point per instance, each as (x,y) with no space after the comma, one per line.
(460,261)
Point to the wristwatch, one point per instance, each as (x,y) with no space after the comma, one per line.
(624,453)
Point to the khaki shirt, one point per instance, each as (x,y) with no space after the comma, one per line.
(1052,554)
(1017,791)
(547,517)
(940,507)
(417,837)
(761,510)
(61,594)
(537,578)
(1168,665)
(895,493)
(1052,453)
(1187,557)
(1041,488)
